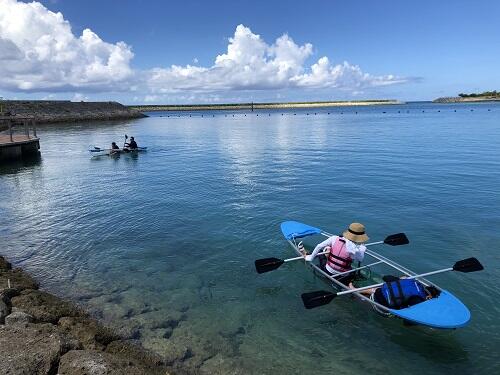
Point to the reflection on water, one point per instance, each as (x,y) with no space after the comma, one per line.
(161,244)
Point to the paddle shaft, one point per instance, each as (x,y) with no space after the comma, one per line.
(380,284)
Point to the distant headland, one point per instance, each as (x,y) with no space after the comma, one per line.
(252,106)
(485,96)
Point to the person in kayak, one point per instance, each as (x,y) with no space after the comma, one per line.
(343,250)
(114,148)
(132,144)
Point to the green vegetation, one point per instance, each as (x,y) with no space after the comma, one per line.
(489,94)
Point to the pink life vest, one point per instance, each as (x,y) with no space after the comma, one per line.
(338,258)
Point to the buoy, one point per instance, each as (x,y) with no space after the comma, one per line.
(295,114)
(439,110)
(471,110)
(489,109)
(383,112)
(328,112)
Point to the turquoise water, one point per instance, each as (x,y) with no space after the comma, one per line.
(161,245)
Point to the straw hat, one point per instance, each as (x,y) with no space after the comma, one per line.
(356,233)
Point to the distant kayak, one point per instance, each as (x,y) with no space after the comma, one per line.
(97,151)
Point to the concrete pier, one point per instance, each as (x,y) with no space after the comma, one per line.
(16,146)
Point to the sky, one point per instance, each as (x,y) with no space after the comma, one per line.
(175,52)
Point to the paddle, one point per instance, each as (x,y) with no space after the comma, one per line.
(270,264)
(321,297)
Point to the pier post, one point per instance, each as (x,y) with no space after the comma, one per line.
(33,122)
(10,130)
(26,130)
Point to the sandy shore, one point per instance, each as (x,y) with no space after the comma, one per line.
(44,334)
(260,106)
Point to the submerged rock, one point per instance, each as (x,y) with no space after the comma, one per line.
(85,362)
(91,334)
(17,278)
(4,264)
(44,307)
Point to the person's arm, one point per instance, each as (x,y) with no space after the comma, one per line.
(319,247)
(358,252)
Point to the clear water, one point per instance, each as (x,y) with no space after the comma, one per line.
(162,244)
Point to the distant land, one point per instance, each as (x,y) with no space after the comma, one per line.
(251,106)
(485,96)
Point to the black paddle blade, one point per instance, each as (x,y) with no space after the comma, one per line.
(397,239)
(468,265)
(316,299)
(268,264)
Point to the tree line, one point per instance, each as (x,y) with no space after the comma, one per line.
(493,93)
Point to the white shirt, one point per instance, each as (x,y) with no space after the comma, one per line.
(357,251)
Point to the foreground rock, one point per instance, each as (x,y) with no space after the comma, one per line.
(43,334)
(34,349)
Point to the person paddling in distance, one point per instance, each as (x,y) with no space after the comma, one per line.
(343,250)
(114,148)
(132,144)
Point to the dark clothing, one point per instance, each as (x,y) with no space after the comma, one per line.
(115,147)
(132,144)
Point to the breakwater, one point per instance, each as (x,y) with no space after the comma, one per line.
(49,111)
(458,99)
(43,334)
(257,106)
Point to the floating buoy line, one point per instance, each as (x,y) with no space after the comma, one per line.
(202,115)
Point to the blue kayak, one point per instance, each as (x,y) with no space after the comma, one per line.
(444,311)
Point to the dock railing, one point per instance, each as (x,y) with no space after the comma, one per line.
(27,124)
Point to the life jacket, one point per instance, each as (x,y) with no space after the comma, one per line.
(338,258)
(402,293)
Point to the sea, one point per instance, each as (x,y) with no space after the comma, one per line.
(161,244)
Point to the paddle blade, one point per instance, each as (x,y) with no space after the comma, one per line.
(397,239)
(316,299)
(268,264)
(468,265)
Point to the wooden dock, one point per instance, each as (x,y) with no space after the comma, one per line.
(16,146)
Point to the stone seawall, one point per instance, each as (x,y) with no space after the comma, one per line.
(43,334)
(458,99)
(46,111)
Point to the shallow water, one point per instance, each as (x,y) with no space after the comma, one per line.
(162,244)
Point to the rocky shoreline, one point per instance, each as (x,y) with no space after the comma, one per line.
(44,334)
(458,99)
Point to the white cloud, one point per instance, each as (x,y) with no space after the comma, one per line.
(252,64)
(38,51)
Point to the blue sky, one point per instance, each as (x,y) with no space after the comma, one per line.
(331,50)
